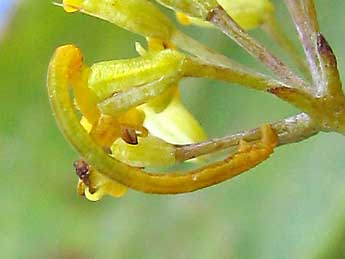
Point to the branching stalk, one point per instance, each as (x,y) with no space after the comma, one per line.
(219,17)
(275,31)
(304,16)
(201,51)
(243,76)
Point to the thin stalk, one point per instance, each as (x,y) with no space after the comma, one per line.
(304,17)
(309,6)
(275,31)
(219,17)
(322,61)
(290,130)
(328,61)
(201,51)
(245,77)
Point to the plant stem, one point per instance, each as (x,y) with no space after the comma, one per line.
(219,17)
(201,51)
(304,17)
(290,130)
(275,31)
(243,76)
(309,6)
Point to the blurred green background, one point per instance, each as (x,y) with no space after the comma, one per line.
(289,207)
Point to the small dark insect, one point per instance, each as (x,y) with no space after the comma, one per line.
(82,169)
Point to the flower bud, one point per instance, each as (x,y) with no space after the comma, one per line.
(101,185)
(110,77)
(138,16)
(150,151)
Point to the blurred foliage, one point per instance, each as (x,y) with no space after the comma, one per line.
(289,207)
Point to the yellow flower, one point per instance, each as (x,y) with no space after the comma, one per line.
(101,186)
(95,185)
(172,125)
(175,124)
(139,114)
(138,16)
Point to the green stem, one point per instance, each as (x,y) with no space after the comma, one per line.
(196,68)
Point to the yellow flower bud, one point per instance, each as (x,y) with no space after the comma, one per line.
(107,78)
(101,185)
(95,185)
(138,16)
(150,151)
